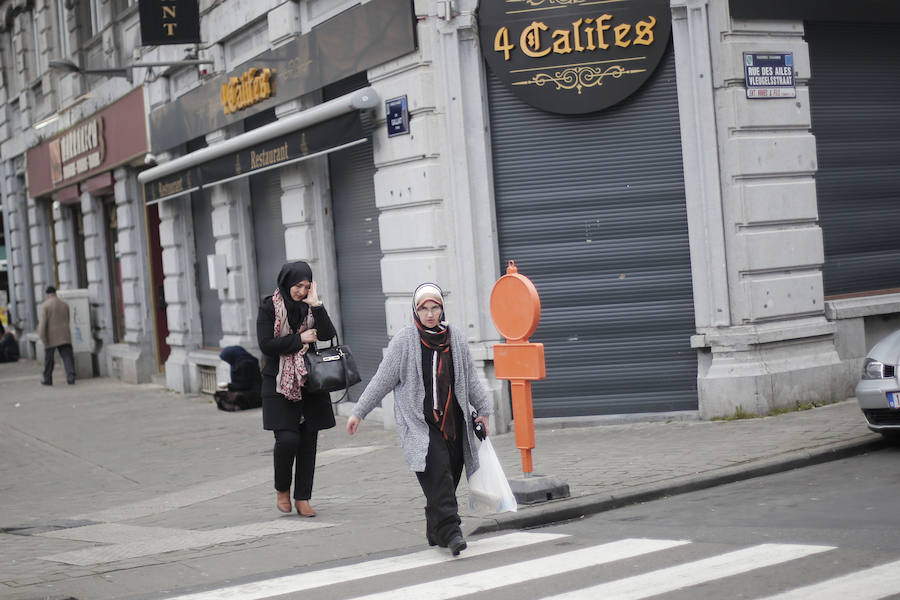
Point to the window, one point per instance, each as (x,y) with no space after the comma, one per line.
(40,61)
(247,44)
(96,17)
(10,80)
(62,17)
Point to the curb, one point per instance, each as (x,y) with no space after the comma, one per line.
(567,509)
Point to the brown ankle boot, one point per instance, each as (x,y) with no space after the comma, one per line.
(283,501)
(304,508)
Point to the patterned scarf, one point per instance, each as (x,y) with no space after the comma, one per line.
(438,340)
(291,367)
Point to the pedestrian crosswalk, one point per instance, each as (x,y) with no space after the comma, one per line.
(493,564)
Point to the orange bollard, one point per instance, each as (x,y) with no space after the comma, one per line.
(516,310)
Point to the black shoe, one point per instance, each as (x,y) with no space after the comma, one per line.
(434,542)
(71,382)
(46,383)
(457,544)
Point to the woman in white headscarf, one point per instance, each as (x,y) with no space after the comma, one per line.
(429,368)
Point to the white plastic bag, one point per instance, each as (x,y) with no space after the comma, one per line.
(488,488)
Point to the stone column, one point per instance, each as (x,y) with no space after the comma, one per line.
(756,247)
(176,237)
(24,309)
(133,359)
(461,91)
(308,225)
(98,277)
(227,221)
(432,186)
(63,228)
(41,247)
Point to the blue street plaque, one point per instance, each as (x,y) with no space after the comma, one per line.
(769,74)
(397,116)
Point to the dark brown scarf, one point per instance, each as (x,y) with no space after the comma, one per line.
(438,340)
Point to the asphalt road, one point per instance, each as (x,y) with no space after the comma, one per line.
(826,532)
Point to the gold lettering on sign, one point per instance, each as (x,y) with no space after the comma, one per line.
(77,151)
(170,19)
(584,35)
(264,158)
(578,77)
(171,187)
(254,86)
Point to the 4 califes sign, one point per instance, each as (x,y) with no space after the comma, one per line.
(574,56)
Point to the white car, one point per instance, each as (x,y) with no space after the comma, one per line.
(878,392)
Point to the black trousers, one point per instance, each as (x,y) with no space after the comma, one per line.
(65,351)
(295,451)
(443,468)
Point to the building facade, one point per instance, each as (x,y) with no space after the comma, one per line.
(72,144)
(696,240)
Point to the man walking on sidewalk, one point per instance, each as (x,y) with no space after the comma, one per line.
(53,328)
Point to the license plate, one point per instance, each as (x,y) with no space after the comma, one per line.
(894,400)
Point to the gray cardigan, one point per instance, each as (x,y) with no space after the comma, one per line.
(401,372)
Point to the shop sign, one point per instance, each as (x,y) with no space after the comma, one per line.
(169,22)
(113,136)
(78,151)
(254,85)
(397,116)
(769,75)
(351,42)
(574,56)
(273,153)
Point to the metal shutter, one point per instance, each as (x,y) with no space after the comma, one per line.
(855,105)
(268,230)
(592,209)
(204,245)
(358,244)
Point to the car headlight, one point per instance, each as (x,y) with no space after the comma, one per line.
(874,369)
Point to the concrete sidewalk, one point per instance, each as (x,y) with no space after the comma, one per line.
(110,489)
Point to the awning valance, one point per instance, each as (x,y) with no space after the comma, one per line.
(328,127)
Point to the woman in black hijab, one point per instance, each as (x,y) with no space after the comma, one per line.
(289,321)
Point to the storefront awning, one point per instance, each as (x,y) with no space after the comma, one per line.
(327,127)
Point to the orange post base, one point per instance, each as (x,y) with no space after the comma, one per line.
(524,418)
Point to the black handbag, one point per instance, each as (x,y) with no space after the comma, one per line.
(331,369)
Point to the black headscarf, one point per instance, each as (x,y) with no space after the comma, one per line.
(291,274)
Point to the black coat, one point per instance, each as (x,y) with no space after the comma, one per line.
(9,348)
(278,411)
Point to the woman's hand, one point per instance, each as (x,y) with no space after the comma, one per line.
(352,424)
(484,422)
(308,336)
(312,297)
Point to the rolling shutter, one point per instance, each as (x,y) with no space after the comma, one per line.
(268,230)
(854,91)
(592,209)
(358,246)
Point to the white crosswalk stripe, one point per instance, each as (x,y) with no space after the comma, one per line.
(874,583)
(488,579)
(693,573)
(868,584)
(385,566)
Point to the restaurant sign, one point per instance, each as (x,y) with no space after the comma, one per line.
(253,86)
(78,151)
(574,56)
(343,131)
(114,136)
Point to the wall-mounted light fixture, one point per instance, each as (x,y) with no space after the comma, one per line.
(70,67)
